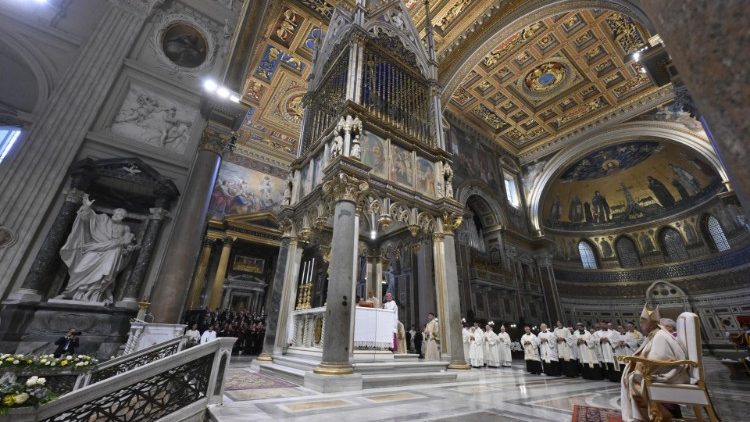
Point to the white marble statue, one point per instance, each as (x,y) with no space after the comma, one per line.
(95,252)
(288,190)
(337,146)
(448,175)
(356,151)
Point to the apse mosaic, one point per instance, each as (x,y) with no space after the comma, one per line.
(246,188)
(553,76)
(629,182)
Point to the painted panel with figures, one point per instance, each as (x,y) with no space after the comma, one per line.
(374,153)
(402,166)
(241,190)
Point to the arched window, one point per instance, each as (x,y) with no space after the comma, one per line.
(588,257)
(673,245)
(627,253)
(717,234)
(8,136)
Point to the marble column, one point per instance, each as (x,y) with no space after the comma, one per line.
(194,299)
(708,43)
(171,287)
(446,287)
(288,294)
(35,170)
(217,288)
(130,296)
(273,301)
(340,304)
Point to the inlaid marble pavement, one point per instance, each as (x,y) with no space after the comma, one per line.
(478,395)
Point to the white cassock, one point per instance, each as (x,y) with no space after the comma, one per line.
(548,349)
(562,338)
(530,351)
(590,365)
(465,334)
(504,349)
(476,349)
(492,351)
(659,345)
(431,335)
(194,336)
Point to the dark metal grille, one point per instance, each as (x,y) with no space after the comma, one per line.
(149,399)
(326,103)
(105,371)
(396,95)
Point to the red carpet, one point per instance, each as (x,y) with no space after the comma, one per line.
(595,414)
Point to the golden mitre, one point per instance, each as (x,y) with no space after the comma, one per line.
(651,314)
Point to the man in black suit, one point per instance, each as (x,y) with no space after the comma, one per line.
(418,344)
(67,345)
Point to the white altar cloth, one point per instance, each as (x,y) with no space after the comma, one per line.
(373,327)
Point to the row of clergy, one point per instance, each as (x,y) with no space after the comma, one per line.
(593,354)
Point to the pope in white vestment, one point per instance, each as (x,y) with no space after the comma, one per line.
(476,347)
(548,351)
(659,344)
(530,344)
(506,358)
(492,352)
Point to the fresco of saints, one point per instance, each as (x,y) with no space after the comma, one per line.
(688,180)
(661,193)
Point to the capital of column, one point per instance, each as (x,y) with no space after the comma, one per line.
(228,240)
(451,221)
(216,139)
(345,188)
(438,237)
(158,213)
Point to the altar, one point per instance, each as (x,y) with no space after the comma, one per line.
(373,328)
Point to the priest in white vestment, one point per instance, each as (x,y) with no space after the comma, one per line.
(625,345)
(476,346)
(431,336)
(659,344)
(548,351)
(492,352)
(635,334)
(530,344)
(605,340)
(590,366)
(465,335)
(503,339)
(391,305)
(564,340)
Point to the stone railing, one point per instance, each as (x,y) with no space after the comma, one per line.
(306,328)
(176,387)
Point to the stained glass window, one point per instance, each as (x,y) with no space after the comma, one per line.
(627,253)
(673,245)
(588,258)
(717,234)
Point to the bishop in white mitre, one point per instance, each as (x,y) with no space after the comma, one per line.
(587,358)
(605,340)
(476,347)
(491,350)
(548,351)
(659,344)
(503,346)
(564,340)
(530,344)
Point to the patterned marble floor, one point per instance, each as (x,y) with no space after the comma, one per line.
(478,395)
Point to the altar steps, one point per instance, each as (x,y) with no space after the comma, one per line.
(374,374)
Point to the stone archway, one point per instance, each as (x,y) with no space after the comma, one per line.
(476,188)
(671,299)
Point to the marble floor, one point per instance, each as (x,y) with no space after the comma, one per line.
(478,395)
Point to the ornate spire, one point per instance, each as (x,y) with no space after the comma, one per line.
(430,34)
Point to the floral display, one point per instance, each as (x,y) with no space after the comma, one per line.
(32,392)
(21,363)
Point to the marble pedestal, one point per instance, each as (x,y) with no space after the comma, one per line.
(34,327)
(333,383)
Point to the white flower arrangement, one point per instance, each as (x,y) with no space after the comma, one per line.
(492,323)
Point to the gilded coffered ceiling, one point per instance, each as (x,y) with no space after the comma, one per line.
(553,76)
